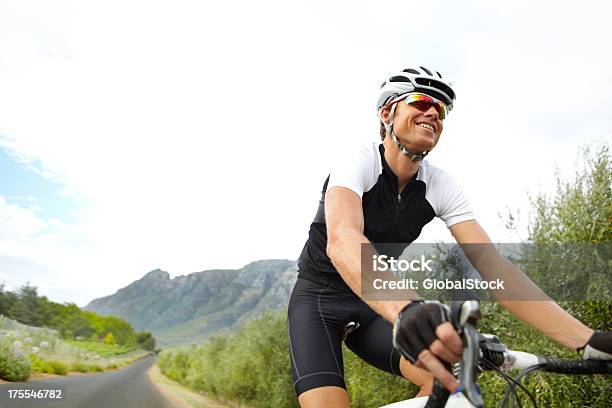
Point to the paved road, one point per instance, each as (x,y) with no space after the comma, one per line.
(128,387)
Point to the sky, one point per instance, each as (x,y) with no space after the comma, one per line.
(190,135)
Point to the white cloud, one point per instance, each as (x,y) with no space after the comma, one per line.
(18,222)
(200,134)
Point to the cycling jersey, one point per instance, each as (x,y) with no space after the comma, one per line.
(389,215)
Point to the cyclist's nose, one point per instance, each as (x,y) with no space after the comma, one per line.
(432,111)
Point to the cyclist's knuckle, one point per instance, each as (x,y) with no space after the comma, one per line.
(437,347)
(445,334)
(425,356)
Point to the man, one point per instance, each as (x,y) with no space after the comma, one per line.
(387,193)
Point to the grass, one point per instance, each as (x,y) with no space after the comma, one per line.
(181,396)
(101,349)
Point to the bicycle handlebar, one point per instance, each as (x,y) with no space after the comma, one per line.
(482,352)
(555,365)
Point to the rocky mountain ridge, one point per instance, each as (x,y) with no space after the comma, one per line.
(189,308)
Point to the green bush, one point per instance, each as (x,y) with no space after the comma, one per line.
(251,366)
(79,367)
(13,367)
(39,365)
(57,367)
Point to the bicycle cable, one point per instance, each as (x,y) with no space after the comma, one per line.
(512,384)
(518,379)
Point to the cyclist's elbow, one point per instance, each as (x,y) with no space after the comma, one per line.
(341,238)
(332,248)
(336,240)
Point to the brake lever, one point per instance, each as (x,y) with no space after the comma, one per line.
(467,374)
(464,316)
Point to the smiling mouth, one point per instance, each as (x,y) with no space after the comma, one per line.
(426,126)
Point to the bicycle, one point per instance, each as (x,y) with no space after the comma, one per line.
(485,352)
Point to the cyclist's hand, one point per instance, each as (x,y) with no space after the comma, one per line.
(423,334)
(599,346)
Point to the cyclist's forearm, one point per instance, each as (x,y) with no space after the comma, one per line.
(528,302)
(552,320)
(345,254)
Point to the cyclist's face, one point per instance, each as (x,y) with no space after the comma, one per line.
(411,127)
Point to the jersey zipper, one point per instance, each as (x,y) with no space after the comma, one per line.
(397,208)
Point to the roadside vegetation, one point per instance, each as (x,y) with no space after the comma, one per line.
(251,366)
(41,336)
(27,307)
(27,350)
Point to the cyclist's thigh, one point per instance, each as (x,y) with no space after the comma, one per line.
(373,343)
(315,336)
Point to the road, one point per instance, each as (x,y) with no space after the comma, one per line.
(128,387)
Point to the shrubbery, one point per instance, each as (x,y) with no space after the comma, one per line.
(57,367)
(14,366)
(250,366)
(39,365)
(79,367)
(42,352)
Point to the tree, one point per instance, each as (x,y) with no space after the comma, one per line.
(109,338)
(69,319)
(7,300)
(580,212)
(581,209)
(145,340)
(27,309)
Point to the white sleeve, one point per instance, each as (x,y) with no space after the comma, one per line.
(454,206)
(356,169)
(447,198)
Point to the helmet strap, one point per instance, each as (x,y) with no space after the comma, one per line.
(415,157)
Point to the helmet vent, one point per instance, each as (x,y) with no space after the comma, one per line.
(438,74)
(399,78)
(432,83)
(412,71)
(426,70)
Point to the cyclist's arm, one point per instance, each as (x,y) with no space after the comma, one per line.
(344,220)
(546,316)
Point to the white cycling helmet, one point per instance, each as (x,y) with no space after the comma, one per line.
(417,80)
(409,80)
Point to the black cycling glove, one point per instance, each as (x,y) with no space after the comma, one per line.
(415,327)
(599,346)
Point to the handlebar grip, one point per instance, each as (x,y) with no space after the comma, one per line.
(439,396)
(554,365)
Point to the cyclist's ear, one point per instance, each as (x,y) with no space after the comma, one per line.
(383,115)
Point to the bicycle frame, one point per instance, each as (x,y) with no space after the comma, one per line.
(454,401)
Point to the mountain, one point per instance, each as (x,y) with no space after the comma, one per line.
(189,308)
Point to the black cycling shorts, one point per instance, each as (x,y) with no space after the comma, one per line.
(318,315)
